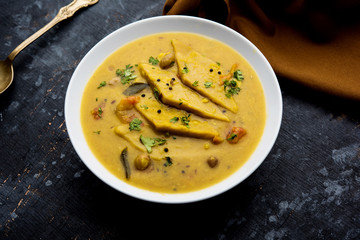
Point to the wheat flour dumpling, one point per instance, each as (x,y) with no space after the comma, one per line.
(201,74)
(173,92)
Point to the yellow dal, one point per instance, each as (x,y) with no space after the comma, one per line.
(189,171)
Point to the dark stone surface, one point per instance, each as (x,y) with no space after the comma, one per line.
(307,188)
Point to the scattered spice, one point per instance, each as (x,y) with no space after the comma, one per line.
(159,111)
(166,149)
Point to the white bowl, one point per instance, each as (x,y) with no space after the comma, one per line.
(173,24)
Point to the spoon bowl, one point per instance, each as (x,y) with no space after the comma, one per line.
(6,74)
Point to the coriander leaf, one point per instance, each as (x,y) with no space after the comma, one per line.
(127,74)
(168,162)
(102,84)
(218,63)
(97,132)
(100,112)
(185,120)
(185,69)
(135,124)
(148,143)
(156,94)
(160,141)
(208,84)
(151,142)
(174,119)
(232,136)
(238,75)
(153,60)
(196,83)
(144,106)
(231,88)
(232,91)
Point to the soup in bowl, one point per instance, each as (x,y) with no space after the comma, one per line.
(173,109)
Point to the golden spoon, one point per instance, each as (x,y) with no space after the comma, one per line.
(6,66)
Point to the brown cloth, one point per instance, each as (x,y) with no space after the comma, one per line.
(316,43)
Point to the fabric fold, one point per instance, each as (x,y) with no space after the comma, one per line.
(315,43)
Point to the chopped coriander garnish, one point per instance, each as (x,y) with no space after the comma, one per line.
(151,142)
(144,106)
(102,84)
(218,63)
(185,120)
(180,102)
(126,75)
(96,99)
(231,88)
(185,69)
(100,112)
(168,162)
(135,124)
(153,60)
(156,93)
(208,84)
(174,119)
(232,136)
(238,75)
(196,83)
(97,132)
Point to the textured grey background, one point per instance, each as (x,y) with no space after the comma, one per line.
(307,188)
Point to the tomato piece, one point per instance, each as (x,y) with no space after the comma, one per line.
(127,103)
(235,134)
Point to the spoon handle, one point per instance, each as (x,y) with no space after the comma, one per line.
(64,13)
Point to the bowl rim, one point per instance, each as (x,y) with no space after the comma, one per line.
(100,51)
